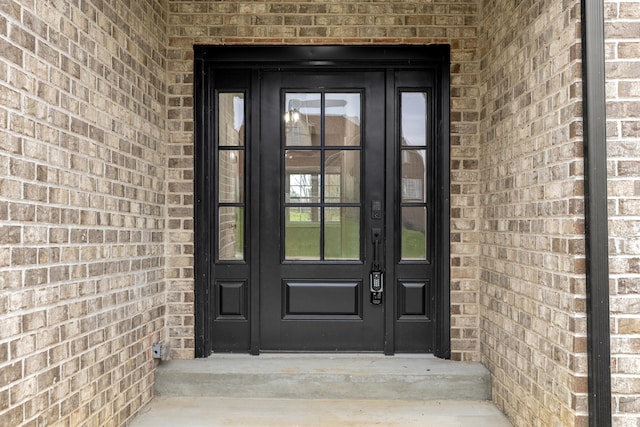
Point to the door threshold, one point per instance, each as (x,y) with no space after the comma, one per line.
(326,354)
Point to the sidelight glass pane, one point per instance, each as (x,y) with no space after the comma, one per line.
(302,233)
(342,176)
(414,233)
(414,175)
(302,119)
(414,118)
(231,119)
(342,233)
(302,176)
(342,119)
(231,176)
(231,233)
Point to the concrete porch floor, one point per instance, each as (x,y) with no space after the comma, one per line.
(248,412)
(321,390)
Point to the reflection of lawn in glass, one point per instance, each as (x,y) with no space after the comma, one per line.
(303,239)
(299,216)
(413,244)
(239,231)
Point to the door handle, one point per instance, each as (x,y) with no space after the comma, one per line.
(376,278)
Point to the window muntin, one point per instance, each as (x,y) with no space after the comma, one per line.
(322,175)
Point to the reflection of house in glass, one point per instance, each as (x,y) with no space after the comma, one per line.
(413,173)
(340,130)
(322,178)
(414,212)
(303,167)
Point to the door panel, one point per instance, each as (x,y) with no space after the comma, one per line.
(319,175)
(325,299)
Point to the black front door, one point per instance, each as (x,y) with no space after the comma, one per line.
(321,200)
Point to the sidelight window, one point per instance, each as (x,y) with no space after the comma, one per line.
(230,168)
(414,152)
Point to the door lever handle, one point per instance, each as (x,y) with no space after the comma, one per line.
(376,237)
(376,278)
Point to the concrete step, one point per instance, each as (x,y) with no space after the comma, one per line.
(324,376)
(247,412)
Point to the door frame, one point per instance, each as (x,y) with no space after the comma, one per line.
(208,59)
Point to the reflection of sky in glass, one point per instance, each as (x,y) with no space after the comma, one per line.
(238,112)
(336,104)
(344,104)
(300,185)
(414,118)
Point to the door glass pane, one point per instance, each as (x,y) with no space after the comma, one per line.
(231,233)
(414,233)
(342,233)
(302,119)
(231,176)
(302,233)
(316,176)
(302,176)
(414,175)
(231,119)
(342,176)
(342,119)
(414,118)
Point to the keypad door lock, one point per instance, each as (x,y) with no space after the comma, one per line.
(376,286)
(376,278)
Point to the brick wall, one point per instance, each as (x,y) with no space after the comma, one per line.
(96,195)
(82,208)
(622,30)
(531,219)
(329,22)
